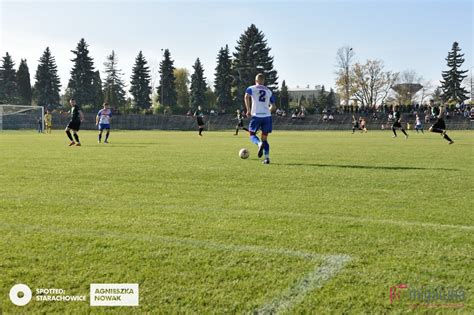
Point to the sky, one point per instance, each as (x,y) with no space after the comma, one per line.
(303,35)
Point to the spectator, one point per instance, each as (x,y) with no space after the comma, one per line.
(40,125)
(466,113)
(325,117)
(331,117)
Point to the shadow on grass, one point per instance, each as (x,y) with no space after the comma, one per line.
(372,167)
(122,145)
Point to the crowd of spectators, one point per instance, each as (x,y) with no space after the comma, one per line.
(373,113)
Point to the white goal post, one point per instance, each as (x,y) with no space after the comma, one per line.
(20,116)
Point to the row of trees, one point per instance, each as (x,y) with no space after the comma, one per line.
(368,84)
(177,90)
(15,86)
(233,73)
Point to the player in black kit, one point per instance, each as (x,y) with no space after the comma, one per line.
(439,126)
(240,123)
(199,119)
(77,116)
(397,123)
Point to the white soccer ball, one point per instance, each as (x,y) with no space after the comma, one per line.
(244,153)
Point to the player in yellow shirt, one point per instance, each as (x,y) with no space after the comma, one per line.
(48,120)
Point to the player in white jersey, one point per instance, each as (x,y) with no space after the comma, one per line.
(418,124)
(103,121)
(260,102)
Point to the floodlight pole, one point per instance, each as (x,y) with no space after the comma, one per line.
(472,98)
(162,60)
(348,79)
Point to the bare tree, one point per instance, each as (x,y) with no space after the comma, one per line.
(468,83)
(426,91)
(370,84)
(344,58)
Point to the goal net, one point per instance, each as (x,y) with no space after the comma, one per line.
(15,117)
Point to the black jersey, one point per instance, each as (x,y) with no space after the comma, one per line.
(75,116)
(397,115)
(435,111)
(199,114)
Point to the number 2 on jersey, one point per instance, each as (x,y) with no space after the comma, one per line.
(262,96)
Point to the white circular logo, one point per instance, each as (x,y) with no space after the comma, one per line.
(25,297)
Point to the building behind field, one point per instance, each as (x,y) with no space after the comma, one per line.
(308,96)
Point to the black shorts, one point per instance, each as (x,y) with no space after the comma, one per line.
(74,125)
(439,124)
(241,123)
(397,124)
(200,121)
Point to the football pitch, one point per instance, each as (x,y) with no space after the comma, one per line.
(333,223)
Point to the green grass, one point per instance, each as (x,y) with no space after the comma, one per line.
(203,231)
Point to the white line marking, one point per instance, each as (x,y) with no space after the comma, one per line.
(311,281)
(294,294)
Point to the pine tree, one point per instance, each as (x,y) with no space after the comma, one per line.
(114,88)
(452,78)
(252,56)
(82,75)
(182,89)
(284,96)
(437,95)
(167,95)
(198,85)
(140,87)
(47,85)
(98,93)
(331,99)
(321,100)
(8,86)
(223,80)
(23,83)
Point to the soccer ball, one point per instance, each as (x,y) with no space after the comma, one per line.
(244,153)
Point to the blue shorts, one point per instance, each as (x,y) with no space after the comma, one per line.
(262,123)
(104,126)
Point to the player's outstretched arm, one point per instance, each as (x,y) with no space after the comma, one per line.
(81,115)
(247,101)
